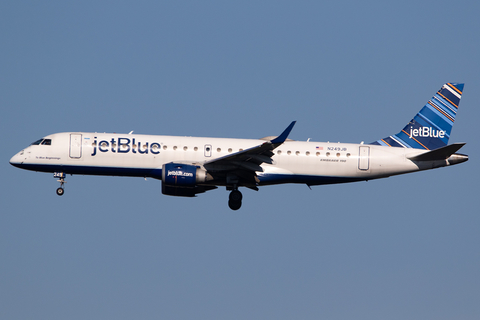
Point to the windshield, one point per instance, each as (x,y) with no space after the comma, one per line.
(36,143)
(43,142)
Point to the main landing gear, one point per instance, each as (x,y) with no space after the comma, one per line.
(235,199)
(61,176)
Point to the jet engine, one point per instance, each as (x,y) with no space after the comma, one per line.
(182,180)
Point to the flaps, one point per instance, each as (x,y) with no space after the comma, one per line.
(248,165)
(260,158)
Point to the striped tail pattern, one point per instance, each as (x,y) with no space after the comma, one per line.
(430,128)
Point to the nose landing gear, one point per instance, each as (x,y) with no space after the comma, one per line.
(235,199)
(61,176)
(60,191)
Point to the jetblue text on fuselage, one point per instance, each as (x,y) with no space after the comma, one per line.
(125,145)
(426,132)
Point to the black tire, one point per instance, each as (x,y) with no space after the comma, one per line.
(235,196)
(60,191)
(234,205)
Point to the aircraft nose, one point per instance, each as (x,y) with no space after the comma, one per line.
(17,159)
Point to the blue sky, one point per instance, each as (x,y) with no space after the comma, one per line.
(349,71)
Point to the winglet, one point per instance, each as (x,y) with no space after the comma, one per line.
(281,138)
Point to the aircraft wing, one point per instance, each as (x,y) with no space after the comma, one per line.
(241,167)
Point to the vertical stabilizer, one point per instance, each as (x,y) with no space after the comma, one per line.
(430,128)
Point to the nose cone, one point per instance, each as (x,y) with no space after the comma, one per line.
(17,159)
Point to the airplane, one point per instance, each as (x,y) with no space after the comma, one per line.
(188,166)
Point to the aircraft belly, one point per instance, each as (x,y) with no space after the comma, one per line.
(312,170)
(311,180)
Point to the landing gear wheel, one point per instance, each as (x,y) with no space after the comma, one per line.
(60,191)
(235,200)
(235,195)
(234,205)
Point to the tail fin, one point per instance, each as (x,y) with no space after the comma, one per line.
(431,127)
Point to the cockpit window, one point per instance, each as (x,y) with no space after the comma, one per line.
(43,142)
(36,143)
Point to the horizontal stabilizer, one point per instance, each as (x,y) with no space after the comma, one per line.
(438,154)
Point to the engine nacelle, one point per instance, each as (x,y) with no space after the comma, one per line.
(181,180)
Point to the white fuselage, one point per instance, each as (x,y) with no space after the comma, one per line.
(312,163)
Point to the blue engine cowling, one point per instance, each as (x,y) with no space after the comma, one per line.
(181,179)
